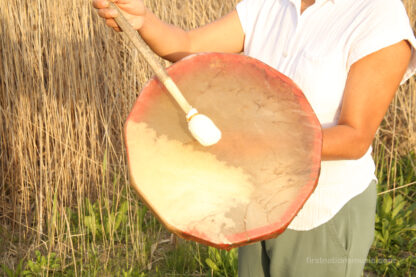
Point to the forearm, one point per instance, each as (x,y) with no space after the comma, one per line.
(343,142)
(371,84)
(173,43)
(169,42)
(224,35)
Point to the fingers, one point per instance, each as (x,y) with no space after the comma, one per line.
(107,13)
(100,4)
(103,10)
(122,1)
(111,23)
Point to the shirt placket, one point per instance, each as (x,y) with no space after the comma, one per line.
(291,39)
(295,4)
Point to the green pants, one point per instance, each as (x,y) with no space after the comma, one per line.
(336,248)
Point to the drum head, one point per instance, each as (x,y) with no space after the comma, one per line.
(248,186)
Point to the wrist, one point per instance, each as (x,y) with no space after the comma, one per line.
(145,17)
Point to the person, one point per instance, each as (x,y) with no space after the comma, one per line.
(348,57)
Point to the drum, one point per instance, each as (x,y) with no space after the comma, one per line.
(247,187)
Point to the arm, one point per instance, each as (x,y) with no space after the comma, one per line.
(173,43)
(370,87)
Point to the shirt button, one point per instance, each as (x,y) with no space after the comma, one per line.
(284,54)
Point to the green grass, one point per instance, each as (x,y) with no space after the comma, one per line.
(105,241)
(394,249)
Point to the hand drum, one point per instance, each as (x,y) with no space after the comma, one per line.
(248,186)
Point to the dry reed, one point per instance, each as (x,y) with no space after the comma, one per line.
(67,83)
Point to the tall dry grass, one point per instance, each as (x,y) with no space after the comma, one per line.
(67,83)
(396,136)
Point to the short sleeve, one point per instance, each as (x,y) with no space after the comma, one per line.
(386,24)
(247,11)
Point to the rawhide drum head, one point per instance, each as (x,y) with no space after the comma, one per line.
(248,186)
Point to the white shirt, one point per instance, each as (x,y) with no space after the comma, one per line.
(316,50)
